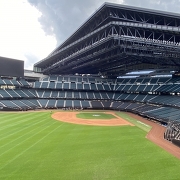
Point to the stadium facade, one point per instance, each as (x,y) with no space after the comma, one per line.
(115,40)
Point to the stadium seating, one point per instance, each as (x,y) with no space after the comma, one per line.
(155,98)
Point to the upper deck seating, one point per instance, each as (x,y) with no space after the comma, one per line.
(4,94)
(77,104)
(62,94)
(69,95)
(97,95)
(133,106)
(132,80)
(104,95)
(126,81)
(90,95)
(131,97)
(140,88)
(133,88)
(68,104)
(76,95)
(46,78)
(106,104)
(37,84)
(54,94)
(30,92)
(164,80)
(35,102)
(96,104)
(83,95)
(45,85)
(24,83)
(139,80)
(2,82)
(60,78)
(107,87)
(73,86)
(124,105)
(29,103)
(60,103)
(100,87)
(85,104)
(12,93)
(20,104)
(140,97)
(169,88)
(79,79)
(174,80)
(127,88)
(53,78)
(146,80)
(120,80)
(43,102)
(46,94)
(86,86)
(114,105)
(80,86)
(66,78)
(8,82)
(110,95)
(93,87)
(73,79)
(20,93)
(15,83)
(66,85)
(39,93)
(51,103)
(154,80)
(52,85)
(59,85)
(91,79)
(148,88)
(10,104)
(123,96)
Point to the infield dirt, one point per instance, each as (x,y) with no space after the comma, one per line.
(70,117)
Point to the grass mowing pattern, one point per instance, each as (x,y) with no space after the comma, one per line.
(95,115)
(137,123)
(34,146)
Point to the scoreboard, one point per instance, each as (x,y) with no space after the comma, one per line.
(11,67)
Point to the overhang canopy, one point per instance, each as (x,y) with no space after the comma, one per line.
(117,39)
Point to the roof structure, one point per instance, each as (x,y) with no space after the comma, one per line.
(117,39)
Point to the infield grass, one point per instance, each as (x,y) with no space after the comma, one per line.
(34,146)
(95,115)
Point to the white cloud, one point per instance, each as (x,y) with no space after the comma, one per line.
(31,29)
(21,33)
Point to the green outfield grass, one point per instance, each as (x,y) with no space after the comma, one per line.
(95,115)
(33,147)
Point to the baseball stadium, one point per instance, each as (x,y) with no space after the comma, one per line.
(105,104)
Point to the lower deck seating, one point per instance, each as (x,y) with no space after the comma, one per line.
(157,112)
(141,95)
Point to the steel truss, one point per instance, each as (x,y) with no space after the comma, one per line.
(116,40)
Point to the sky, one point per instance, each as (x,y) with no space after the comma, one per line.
(32,29)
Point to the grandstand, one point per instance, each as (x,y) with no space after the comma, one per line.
(82,72)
